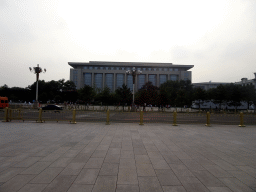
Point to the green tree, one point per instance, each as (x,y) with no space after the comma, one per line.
(234,95)
(188,91)
(147,94)
(123,95)
(249,94)
(41,89)
(86,94)
(181,98)
(220,95)
(105,96)
(69,86)
(200,96)
(4,91)
(51,90)
(168,92)
(177,93)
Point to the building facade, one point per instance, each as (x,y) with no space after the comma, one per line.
(246,81)
(208,85)
(102,74)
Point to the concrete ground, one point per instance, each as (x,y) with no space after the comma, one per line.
(126,157)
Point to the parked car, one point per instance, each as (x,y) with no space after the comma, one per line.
(52,107)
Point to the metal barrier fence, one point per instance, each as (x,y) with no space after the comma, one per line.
(119,116)
(2,114)
(91,116)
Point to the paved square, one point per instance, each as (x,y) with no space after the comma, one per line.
(126,157)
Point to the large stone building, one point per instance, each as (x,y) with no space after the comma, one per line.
(100,74)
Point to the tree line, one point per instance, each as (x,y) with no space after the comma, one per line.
(171,93)
(55,91)
(228,94)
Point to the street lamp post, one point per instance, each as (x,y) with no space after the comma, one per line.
(134,73)
(36,70)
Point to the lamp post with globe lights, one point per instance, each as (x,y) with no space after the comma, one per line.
(37,70)
(134,72)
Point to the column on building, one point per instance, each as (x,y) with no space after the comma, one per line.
(93,80)
(157,80)
(125,79)
(114,82)
(104,80)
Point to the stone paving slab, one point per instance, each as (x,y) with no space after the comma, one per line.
(126,157)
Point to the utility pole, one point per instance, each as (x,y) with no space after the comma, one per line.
(37,70)
(134,73)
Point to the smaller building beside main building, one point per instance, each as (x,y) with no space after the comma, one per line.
(208,85)
(102,74)
(245,81)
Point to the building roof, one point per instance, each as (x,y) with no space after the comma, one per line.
(130,64)
(210,83)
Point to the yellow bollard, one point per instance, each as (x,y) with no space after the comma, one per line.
(241,120)
(74,117)
(174,118)
(141,117)
(208,119)
(129,109)
(107,122)
(6,115)
(40,116)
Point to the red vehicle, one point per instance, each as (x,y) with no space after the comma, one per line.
(4,102)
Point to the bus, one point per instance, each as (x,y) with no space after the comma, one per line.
(4,102)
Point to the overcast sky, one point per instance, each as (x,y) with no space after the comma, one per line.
(218,37)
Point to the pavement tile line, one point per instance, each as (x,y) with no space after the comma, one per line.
(171,151)
(200,179)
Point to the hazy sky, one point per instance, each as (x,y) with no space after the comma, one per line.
(218,37)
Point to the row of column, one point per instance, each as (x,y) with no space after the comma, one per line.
(125,79)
